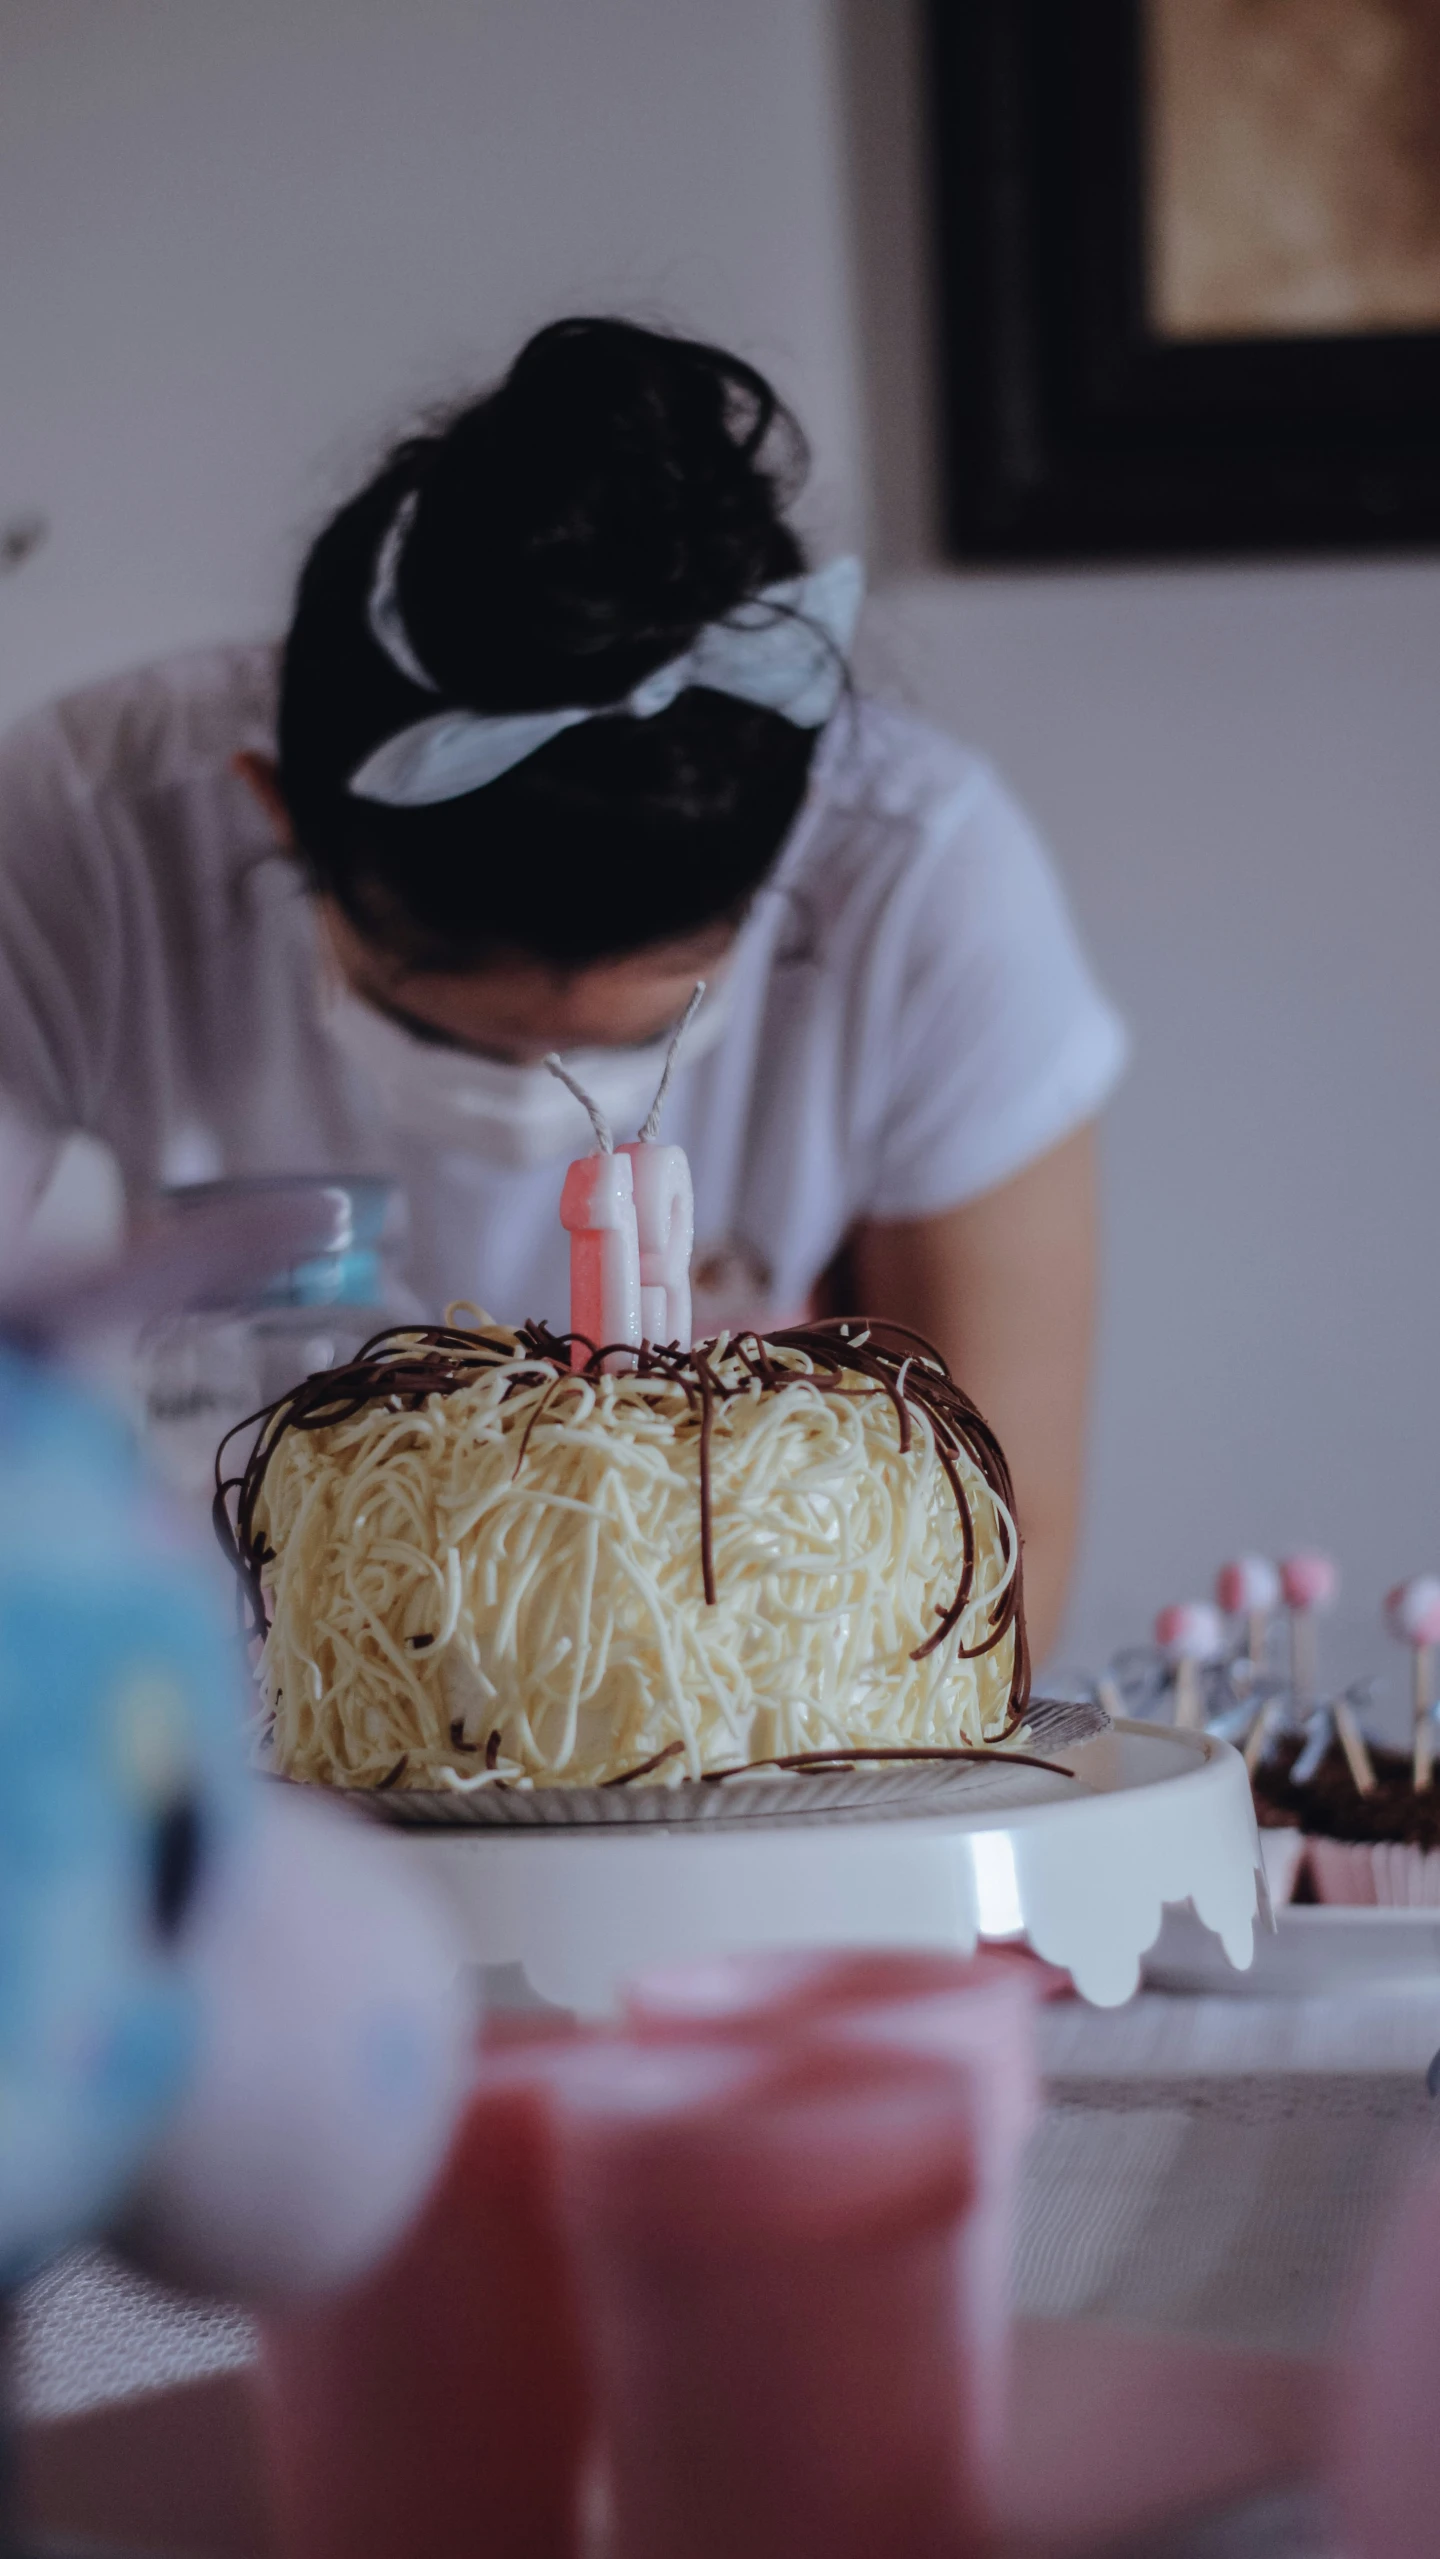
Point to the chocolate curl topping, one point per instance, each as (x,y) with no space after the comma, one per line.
(404,1367)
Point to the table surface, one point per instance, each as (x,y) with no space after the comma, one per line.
(1209,2167)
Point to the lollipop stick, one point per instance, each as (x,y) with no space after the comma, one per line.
(1422,1670)
(1189,1701)
(1260,1732)
(1257,1626)
(1352,1742)
(1302,1656)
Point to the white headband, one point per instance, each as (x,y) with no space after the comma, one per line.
(784,650)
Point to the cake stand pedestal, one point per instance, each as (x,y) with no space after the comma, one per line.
(1084,1877)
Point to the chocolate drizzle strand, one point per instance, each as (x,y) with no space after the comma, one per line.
(846,1356)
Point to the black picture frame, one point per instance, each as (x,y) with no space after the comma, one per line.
(1070,429)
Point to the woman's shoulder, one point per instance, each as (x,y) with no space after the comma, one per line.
(884,763)
(891,792)
(175,721)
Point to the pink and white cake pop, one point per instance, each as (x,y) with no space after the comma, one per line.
(1250,1588)
(1412,1610)
(1412,1613)
(1189,1633)
(1308,1583)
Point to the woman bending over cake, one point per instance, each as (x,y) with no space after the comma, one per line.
(562,724)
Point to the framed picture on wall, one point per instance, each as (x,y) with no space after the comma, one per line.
(1190,274)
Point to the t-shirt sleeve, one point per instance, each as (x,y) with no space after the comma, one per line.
(61,943)
(997,1041)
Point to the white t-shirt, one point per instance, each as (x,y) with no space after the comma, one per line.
(910,1017)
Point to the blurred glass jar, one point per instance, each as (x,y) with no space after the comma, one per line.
(208,1368)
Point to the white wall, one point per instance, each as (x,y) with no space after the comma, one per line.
(242,244)
(1242,769)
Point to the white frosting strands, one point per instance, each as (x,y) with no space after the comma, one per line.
(438,1579)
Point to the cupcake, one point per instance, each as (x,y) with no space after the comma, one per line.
(1369,1848)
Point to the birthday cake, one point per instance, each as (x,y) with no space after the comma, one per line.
(473,1562)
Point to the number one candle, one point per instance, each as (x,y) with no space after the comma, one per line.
(630,1215)
(597,1207)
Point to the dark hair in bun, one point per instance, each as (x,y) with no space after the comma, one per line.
(574,530)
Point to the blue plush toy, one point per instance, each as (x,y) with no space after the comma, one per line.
(220,2005)
(121,1778)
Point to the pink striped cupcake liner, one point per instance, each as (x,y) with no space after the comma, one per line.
(1381,1874)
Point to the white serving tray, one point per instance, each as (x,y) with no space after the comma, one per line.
(1313,1949)
(1081,1868)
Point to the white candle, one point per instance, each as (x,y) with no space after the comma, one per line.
(665,1220)
(597,1208)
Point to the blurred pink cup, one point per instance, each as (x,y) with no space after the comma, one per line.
(1385,2455)
(441,2407)
(770,2253)
(975,2013)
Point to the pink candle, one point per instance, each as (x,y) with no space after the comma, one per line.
(665,1219)
(597,1208)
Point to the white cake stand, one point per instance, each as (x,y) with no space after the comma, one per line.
(1083,1876)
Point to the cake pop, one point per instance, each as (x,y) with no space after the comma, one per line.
(1190,1634)
(1250,1588)
(1308,1584)
(1412,1613)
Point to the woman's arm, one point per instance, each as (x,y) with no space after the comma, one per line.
(1005,1287)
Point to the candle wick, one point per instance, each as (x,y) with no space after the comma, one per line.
(651,1129)
(604,1135)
